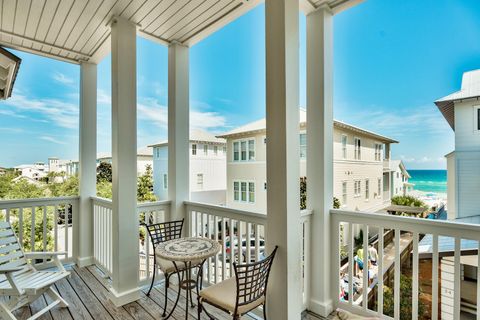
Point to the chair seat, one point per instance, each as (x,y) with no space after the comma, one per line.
(167,266)
(224,295)
(31,280)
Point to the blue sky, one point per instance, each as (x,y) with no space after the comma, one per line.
(392,59)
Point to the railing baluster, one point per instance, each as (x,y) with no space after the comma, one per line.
(65,223)
(146,217)
(232,246)
(365,268)
(257,242)
(435,277)
(397,275)
(215,230)
(209,265)
(248,244)
(350,263)
(415,277)
(20,225)
(7,215)
(55,226)
(224,252)
(381,233)
(457,281)
(240,241)
(32,230)
(44,234)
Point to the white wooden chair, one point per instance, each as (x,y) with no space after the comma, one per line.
(20,282)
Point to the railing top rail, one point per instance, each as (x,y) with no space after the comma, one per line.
(104,201)
(37,201)
(422,226)
(306,212)
(162,203)
(229,212)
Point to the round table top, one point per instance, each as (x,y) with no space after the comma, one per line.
(187,249)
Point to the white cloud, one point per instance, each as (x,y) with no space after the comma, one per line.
(10,113)
(63,79)
(103,97)
(423,160)
(61,113)
(52,139)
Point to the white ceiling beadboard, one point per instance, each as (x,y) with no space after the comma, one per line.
(78,30)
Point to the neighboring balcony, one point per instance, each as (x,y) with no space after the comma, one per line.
(429,257)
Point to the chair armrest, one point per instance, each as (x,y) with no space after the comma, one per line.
(39,255)
(10,270)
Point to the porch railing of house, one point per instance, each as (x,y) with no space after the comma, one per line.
(45,224)
(102,233)
(242,235)
(398,241)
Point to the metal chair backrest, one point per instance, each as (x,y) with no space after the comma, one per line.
(164,231)
(252,279)
(11,252)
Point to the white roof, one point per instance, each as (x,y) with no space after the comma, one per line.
(394,164)
(260,126)
(79,30)
(196,135)
(145,151)
(470,89)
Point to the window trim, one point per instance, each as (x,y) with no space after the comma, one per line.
(367,189)
(202,180)
(476,119)
(194,149)
(205,149)
(304,146)
(344,192)
(165,181)
(344,146)
(357,152)
(357,192)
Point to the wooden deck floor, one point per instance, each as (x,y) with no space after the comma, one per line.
(87,294)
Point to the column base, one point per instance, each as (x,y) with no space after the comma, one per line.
(84,261)
(123,298)
(321,308)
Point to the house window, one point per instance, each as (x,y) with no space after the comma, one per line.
(265,186)
(265,140)
(165,181)
(367,189)
(244,191)
(200,180)
(344,146)
(224,150)
(236,151)
(251,192)
(357,189)
(215,150)
(478,118)
(379,187)
(205,149)
(244,150)
(236,191)
(358,155)
(251,150)
(303,145)
(378,152)
(194,149)
(344,192)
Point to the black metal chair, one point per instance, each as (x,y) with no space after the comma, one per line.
(242,293)
(161,232)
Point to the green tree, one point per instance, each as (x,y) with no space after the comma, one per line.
(23,189)
(145,186)
(303,195)
(104,189)
(408,201)
(104,172)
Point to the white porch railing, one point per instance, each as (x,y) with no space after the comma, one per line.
(45,224)
(365,294)
(102,233)
(149,212)
(242,235)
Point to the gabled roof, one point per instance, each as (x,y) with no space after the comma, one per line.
(145,151)
(259,126)
(196,136)
(394,164)
(470,90)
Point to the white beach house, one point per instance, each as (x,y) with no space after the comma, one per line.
(144,159)
(207,168)
(400,176)
(462,112)
(362,174)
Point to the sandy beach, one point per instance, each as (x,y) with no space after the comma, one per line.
(430,198)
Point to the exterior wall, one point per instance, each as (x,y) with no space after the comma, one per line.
(211,166)
(398,183)
(451,175)
(346,170)
(467,157)
(142,163)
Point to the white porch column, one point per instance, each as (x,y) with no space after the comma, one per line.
(320,153)
(87,174)
(283,157)
(124,163)
(178,130)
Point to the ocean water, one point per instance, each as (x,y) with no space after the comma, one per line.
(434,181)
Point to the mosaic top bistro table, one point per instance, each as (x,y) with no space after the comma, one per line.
(190,252)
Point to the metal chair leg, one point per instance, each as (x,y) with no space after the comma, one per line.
(153,278)
(167,282)
(265,311)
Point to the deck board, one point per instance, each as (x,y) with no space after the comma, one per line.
(86,292)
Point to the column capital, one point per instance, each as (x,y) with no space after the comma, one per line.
(323,8)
